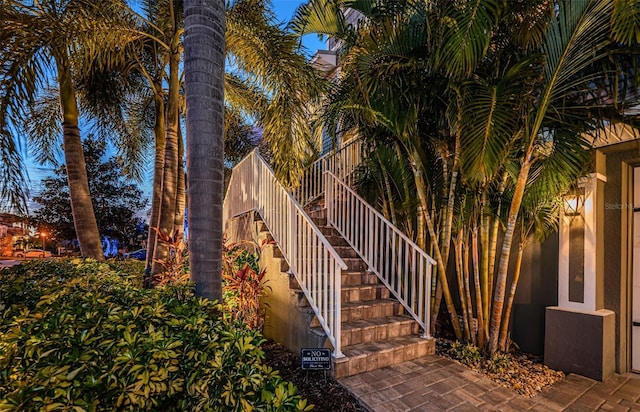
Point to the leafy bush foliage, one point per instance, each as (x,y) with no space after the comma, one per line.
(499,362)
(85,336)
(244,284)
(466,353)
(175,267)
(471,355)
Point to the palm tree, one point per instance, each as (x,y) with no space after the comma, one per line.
(270,82)
(576,48)
(42,42)
(486,99)
(204,82)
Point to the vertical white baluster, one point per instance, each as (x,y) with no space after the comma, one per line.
(292,218)
(427,297)
(327,295)
(405,270)
(338,308)
(416,281)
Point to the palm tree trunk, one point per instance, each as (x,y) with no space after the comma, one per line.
(493,247)
(204,83)
(501,278)
(512,294)
(170,165)
(178,223)
(482,338)
(441,271)
(483,290)
(458,245)
(84,219)
(467,290)
(156,197)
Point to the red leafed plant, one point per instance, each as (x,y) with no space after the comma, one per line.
(176,265)
(243,283)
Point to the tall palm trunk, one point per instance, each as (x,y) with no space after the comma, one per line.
(501,278)
(170,165)
(156,197)
(482,338)
(467,290)
(178,222)
(493,249)
(440,270)
(84,219)
(512,294)
(204,82)
(458,246)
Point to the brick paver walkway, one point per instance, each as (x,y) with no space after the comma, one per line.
(432,383)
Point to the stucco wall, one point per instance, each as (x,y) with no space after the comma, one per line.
(537,289)
(288,315)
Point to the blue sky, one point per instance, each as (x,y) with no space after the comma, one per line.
(284,10)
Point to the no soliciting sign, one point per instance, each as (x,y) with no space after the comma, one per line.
(318,359)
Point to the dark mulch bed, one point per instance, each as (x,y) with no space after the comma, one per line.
(319,389)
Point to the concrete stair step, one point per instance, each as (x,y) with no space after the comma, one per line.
(345,251)
(375,355)
(316,204)
(336,240)
(354,264)
(352,294)
(359,278)
(320,214)
(329,231)
(372,310)
(363,292)
(348,279)
(376,330)
(319,221)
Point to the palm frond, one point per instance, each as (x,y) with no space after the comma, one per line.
(577,38)
(13,178)
(322,17)
(625,22)
(466,35)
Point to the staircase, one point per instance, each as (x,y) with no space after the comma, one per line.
(366,282)
(376,331)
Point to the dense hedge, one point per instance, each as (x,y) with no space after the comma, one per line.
(77,335)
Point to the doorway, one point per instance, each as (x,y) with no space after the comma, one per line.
(635,290)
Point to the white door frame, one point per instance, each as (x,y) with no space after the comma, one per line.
(635,276)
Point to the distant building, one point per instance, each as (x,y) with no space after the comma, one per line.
(12,230)
(326,61)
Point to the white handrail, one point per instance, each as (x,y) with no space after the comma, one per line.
(398,262)
(341,162)
(312,260)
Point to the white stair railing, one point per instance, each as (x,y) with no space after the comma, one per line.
(398,262)
(312,260)
(341,162)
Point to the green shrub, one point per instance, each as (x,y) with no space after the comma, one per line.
(466,353)
(499,362)
(82,336)
(244,284)
(175,266)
